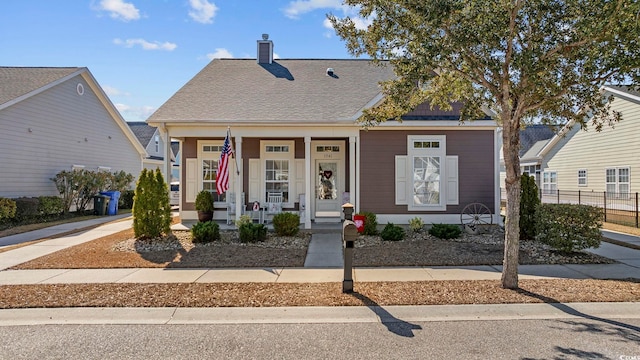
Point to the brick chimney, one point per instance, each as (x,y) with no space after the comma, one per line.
(265,50)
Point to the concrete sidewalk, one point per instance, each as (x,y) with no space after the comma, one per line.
(324,264)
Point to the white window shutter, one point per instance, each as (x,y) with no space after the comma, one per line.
(254,180)
(452,180)
(191,180)
(401,180)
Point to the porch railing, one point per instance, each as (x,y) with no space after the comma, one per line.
(619,208)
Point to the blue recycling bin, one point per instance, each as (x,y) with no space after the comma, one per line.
(114,196)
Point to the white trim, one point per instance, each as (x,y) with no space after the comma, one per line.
(439,152)
(437,125)
(622,93)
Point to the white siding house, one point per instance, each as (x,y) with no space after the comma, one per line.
(153,141)
(54,119)
(598,161)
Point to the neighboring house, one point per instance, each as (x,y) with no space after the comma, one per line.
(153,142)
(597,161)
(533,139)
(294,130)
(54,119)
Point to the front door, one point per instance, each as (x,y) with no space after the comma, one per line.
(329,179)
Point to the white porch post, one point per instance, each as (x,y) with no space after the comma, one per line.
(356,156)
(167,154)
(307,182)
(352,169)
(239,177)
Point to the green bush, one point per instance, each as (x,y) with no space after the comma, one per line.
(126,199)
(151,209)
(569,227)
(416,224)
(50,205)
(244,219)
(392,232)
(370,223)
(7,209)
(286,224)
(26,208)
(445,231)
(529,202)
(250,232)
(204,201)
(204,232)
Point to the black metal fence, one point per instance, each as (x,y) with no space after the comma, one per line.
(619,208)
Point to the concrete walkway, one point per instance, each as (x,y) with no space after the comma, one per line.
(323,264)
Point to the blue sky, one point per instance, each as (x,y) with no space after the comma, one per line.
(142,51)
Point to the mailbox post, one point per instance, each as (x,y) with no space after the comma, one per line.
(349,235)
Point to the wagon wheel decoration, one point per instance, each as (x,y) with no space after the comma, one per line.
(476,214)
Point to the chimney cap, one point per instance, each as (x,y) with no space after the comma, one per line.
(265,36)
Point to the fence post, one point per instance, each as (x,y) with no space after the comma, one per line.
(579,197)
(558,196)
(636,209)
(605,206)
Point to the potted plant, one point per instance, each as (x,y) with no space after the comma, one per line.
(204,205)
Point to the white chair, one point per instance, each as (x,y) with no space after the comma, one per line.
(231,207)
(273,205)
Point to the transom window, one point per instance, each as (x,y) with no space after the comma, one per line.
(426,144)
(277,148)
(328,148)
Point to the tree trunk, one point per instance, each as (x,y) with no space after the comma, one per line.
(511,148)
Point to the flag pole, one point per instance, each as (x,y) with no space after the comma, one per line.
(233,152)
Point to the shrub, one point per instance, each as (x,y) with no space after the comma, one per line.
(445,231)
(244,219)
(529,202)
(370,223)
(204,232)
(286,224)
(7,209)
(416,224)
(126,199)
(569,227)
(392,232)
(26,208)
(250,232)
(204,201)
(151,209)
(50,205)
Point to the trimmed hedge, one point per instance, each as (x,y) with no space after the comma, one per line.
(392,232)
(286,224)
(204,232)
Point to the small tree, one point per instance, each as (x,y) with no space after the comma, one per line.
(151,209)
(529,202)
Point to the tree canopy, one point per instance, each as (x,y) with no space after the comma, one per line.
(522,59)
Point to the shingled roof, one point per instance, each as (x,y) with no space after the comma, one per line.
(19,81)
(532,134)
(287,90)
(143,131)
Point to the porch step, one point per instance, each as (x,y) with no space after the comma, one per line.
(327,219)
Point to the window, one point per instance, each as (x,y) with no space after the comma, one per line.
(531,169)
(582,177)
(209,155)
(157,139)
(278,159)
(617,182)
(549,182)
(426,162)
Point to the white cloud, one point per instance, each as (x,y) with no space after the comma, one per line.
(146,45)
(276,56)
(220,53)
(202,11)
(111,91)
(361,23)
(135,113)
(120,10)
(299,7)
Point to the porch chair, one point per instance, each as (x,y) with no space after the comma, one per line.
(273,205)
(231,207)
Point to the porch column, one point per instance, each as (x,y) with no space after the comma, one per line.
(307,182)
(352,169)
(239,177)
(167,154)
(356,158)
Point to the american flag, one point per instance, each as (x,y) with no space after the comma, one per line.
(222,180)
